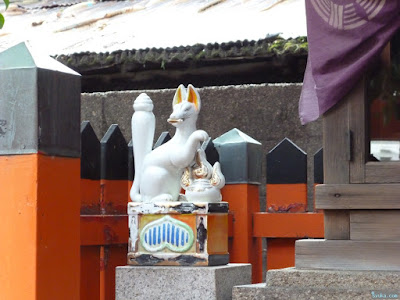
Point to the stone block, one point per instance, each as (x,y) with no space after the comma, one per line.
(364,280)
(292,283)
(261,292)
(184,283)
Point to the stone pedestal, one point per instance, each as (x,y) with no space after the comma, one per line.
(178,233)
(167,282)
(292,283)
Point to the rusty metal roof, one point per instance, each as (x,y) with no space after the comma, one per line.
(64,27)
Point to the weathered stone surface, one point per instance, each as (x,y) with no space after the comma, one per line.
(292,283)
(336,279)
(266,112)
(261,292)
(180,282)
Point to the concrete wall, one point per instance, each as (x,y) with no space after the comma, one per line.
(266,112)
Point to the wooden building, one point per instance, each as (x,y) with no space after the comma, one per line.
(360,194)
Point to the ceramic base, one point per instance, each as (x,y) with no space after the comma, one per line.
(178,233)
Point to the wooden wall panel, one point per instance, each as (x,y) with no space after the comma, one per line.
(348,255)
(375,225)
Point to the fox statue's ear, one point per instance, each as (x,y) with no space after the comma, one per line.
(180,94)
(193,96)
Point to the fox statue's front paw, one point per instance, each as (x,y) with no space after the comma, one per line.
(200,135)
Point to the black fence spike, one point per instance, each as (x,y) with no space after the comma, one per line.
(164,137)
(319,166)
(131,162)
(114,155)
(286,164)
(90,152)
(210,150)
(240,156)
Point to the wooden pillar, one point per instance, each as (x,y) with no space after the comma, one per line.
(241,158)
(344,154)
(39,177)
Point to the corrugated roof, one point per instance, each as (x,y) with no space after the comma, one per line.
(69,27)
(160,58)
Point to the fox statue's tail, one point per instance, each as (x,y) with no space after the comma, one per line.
(143,128)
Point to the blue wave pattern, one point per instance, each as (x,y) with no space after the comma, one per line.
(168,233)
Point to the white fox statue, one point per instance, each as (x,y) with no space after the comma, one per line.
(158,172)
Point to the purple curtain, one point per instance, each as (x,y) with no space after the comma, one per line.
(344,38)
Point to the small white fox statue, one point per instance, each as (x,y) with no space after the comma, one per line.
(158,172)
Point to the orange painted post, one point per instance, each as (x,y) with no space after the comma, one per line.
(240,157)
(286,193)
(39,177)
(113,202)
(90,206)
(90,270)
(280,253)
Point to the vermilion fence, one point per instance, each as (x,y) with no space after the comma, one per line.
(107,173)
(104,197)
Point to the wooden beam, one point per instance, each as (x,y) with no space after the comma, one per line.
(382,172)
(348,255)
(358,196)
(285,225)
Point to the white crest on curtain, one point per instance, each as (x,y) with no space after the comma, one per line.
(346,15)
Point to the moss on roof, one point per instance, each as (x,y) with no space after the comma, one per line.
(160,58)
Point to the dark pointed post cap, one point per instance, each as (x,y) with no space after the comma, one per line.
(240,157)
(39,104)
